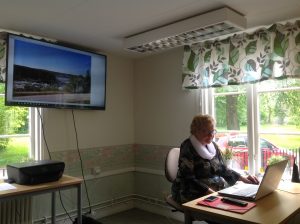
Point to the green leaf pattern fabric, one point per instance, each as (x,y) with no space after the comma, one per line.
(2,60)
(269,53)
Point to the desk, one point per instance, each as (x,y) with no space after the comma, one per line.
(277,207)
(64,182)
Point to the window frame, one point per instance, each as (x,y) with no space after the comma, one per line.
(34,134)
(207,101)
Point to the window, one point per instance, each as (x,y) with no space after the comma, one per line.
(257,121)
(16,134)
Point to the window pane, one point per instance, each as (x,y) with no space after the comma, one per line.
(13,120)
(231,122)
(2,88)
(231,108)
(279,120)
(13,150)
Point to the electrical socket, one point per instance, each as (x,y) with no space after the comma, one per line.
(96,170)
(93,212)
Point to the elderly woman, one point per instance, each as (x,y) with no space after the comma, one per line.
(201,167)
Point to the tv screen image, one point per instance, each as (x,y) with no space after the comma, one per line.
(44,74)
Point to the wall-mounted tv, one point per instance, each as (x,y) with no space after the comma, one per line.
(46,74)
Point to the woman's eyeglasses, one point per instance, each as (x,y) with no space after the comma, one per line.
(213,132)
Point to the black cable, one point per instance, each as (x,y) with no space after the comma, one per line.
(62,204)
(43,132)
(42,124)
(84,181)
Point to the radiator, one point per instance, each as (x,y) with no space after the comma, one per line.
(16,211)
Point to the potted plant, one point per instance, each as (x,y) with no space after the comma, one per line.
(228,155)
(275,159)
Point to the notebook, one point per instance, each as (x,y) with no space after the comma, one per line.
(252,192)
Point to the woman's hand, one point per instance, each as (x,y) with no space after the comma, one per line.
(209,191)
(249,179)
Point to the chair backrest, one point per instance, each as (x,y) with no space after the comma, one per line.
(171,164)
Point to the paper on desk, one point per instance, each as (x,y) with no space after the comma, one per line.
(6,186)
(290,187)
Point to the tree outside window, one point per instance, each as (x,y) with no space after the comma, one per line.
(14,133)
(277,114)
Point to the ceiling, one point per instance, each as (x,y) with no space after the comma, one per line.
(103,24)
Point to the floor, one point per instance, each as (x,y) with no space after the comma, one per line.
(137,216)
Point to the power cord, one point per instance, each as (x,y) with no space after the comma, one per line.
(81,165)
(85,219)
(43,133)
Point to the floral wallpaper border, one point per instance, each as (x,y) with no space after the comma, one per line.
(111,158)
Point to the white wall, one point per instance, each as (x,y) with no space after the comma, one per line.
(114,126)
(163,111)
(111,127)
(145,105)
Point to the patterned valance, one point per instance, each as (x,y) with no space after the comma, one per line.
(2,60)
(270,53)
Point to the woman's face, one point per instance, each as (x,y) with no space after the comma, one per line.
(206,135)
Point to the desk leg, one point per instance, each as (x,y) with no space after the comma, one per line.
(187,218)
(53,207)
(79,218)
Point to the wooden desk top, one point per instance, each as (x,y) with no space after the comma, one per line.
(64,181)
(277,207)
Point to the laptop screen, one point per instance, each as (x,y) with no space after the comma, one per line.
(268,184)
(271,178)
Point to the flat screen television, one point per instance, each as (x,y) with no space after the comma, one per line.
(46,74)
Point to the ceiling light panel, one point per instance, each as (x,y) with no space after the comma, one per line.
(192,30)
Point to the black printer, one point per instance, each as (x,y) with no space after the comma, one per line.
(35,172)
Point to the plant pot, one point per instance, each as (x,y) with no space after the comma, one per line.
(228,163)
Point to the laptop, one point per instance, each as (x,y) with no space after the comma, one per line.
(253,192)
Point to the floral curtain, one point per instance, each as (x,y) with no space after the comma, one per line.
(2,61)
(270,53)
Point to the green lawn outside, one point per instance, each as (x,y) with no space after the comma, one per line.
(284,141)
(16,151)
(287,128)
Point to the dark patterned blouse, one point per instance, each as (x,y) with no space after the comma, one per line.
(195,174)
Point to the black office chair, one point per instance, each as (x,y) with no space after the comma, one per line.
(171,168)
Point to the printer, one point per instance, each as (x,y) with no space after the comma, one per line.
(35,172)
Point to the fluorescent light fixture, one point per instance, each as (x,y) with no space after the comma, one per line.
(192,30)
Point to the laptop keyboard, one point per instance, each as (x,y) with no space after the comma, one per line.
(248,191)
